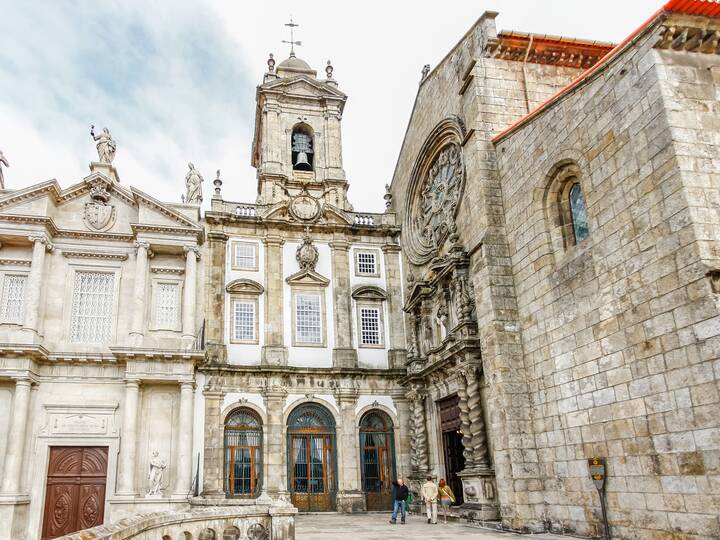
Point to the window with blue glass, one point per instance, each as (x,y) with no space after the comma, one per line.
(578,213)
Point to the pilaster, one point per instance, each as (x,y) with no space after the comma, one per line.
(137,326)
(185,438)
(128,439)
(397,353)
(344,354)
(192,255)
(213,461)
(350,497)
(215,298)
(34,289)
(275,473)
(274,352)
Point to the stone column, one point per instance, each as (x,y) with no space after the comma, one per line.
(137,327)
(274,352)
(213,458)
(418,431)
(468,453)
(185,438)
(189,307)
(350,497)
(344,354)
(476,421)
(12,469)
(215,297)
(128,439)
(275,451)
(33,291)
(397,353)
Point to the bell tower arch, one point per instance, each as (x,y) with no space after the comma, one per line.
(297,142)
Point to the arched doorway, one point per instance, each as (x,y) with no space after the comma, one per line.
(243,453)
(377,451)
(311,458)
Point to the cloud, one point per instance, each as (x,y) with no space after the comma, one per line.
(167,83)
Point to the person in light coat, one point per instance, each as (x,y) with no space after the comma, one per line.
(430,495)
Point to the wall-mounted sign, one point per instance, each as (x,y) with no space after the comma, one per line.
(596,467)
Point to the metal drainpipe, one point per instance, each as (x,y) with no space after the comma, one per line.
(525,90)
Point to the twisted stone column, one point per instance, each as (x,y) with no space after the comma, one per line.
(418,430)
(465,418)
(478,442)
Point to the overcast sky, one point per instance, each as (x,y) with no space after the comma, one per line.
(175,81)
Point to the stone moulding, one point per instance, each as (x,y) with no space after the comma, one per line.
(167,270)
(275,521)
(14,262)
(81,254)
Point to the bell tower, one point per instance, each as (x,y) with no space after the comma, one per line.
(297,143)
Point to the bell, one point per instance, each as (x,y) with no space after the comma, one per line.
(302,161)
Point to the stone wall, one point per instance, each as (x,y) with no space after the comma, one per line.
(620,332)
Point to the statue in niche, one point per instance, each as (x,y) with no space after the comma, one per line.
(105,144)
(193,186)
(427,332)
(3,161)
(155,476)
(443,314)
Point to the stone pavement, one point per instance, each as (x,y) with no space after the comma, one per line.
(375,526)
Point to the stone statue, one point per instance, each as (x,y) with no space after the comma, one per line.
(157,468)
(193,186)
(3,161)
(105,145)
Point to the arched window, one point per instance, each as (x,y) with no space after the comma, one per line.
(578,213)
(243,453)
(303,148)
(377,452)
(311,458)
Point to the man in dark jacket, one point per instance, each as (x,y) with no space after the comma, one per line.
(400,494)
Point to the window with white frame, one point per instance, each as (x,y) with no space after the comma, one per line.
(244,326)
(308,318)
(366,263)
(244,256)
(92,307)
(167,303)
(370,326)
(13,296)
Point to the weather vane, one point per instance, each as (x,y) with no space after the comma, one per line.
(292,41)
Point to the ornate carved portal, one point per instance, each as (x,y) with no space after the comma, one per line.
(75,495)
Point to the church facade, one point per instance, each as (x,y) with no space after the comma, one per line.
(533,317)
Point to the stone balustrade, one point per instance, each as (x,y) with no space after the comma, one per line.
(236,522)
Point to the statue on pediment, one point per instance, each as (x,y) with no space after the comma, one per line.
(105,144)
(3,161)
(193,186)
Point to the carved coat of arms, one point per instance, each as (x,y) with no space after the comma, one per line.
(99,215)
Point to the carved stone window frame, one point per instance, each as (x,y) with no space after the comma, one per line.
(247,291)
(297,290)
(561,180)
(155,283)
(368,296)
(4,273)
(234,244)
(86,266)
(356,256)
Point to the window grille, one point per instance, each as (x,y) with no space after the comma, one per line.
(245,256)
(308,327)
(166,305)
(244,321)
(366,263)
(370,326)
(13,295)
(92,307)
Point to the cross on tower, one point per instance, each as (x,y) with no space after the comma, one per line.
(292,41)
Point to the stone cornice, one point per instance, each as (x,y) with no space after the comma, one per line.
(130,353)
(15,262)
(84,254)
(167,270)
(166,229)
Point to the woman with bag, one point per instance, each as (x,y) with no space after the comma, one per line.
(447,497)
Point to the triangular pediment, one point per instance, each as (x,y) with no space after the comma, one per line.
(304,85)
(308,277)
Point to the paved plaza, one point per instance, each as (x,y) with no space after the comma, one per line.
(375,526)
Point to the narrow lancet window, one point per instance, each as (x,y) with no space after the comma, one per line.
(578,213)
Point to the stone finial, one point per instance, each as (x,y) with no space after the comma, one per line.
(218,185)
(271,63)
(387,197)
(425,71)
(329,70)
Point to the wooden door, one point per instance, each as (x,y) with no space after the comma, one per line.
(75,492)
(454,462)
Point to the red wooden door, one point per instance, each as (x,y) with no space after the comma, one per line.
(75,493)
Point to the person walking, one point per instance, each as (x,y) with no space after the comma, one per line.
(400,494)
(430,496)
(447,497)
